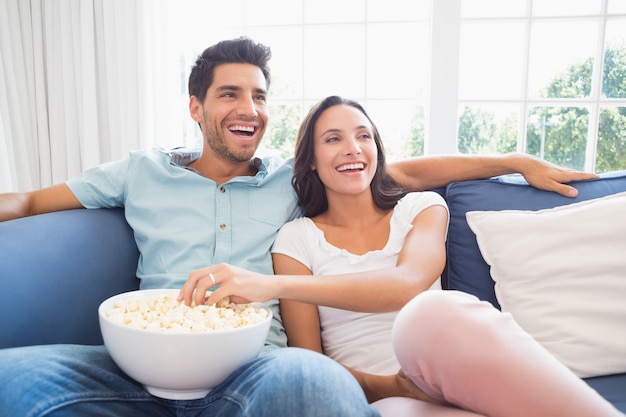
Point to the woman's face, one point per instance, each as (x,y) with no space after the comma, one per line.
(345,152)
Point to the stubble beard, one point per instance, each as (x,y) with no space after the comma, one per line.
(215,140)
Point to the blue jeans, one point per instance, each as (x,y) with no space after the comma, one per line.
(73,380)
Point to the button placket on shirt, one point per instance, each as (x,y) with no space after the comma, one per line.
(222,221)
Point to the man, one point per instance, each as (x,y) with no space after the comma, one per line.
(191,210)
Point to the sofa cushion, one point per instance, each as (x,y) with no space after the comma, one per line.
(558,271)
(466,270)
(57,268)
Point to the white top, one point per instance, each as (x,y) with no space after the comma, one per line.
(361,341)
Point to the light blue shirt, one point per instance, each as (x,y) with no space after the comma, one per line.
(183,221)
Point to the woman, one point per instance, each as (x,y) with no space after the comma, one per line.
(374,250)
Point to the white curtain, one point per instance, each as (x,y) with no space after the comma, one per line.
(79,86)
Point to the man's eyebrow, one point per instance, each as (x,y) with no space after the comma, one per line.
(238,88)
(228,88)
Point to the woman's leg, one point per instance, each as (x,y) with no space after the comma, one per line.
(409,407)
(463,351)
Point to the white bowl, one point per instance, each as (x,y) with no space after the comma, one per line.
(177,365)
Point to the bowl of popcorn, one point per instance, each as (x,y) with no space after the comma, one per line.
(177,351)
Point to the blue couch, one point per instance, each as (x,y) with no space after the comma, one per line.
(56,268)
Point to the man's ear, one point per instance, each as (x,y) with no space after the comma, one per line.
(195,109)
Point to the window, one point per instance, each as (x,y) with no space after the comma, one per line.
(545,77)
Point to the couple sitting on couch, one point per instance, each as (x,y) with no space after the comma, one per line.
(382,244)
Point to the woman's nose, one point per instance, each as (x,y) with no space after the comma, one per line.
(352,147)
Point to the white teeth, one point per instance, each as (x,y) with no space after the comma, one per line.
(350,166)
(242,128)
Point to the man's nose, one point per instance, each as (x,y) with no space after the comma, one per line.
(247,107)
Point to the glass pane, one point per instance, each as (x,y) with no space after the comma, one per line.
(282,130)
(334,11)
(286,61)
(488,129)
(201,16)
(611,148)
(405,62)
(616,6)
(272,12)
(561,59)
(398,10)
(334,61)
(614,74)
(401,126)
(493,8)
(491,61)
(558,135)
(566,7)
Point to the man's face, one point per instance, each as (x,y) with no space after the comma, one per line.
(233,116)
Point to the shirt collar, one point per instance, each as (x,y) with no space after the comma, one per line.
(182,157)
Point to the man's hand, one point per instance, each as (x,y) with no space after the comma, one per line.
(546,176)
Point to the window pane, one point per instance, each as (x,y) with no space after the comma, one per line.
(493,8)
(616,6)
(398,10)
(401,126)
(488,129)
(611,148)
(491,64)
(561,58)
(614,75)
(334,11)
(396,64)
(272,12)
(334,61)
(565,7)
(282,130)
(558,135)
(197,17)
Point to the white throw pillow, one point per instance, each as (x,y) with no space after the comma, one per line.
(561,273)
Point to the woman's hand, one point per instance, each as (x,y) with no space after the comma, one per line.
(407,388)
(377,387)
(241,285)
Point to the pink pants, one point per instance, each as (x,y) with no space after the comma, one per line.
(463,351)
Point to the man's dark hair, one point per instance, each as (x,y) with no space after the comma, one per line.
(309,187)
(235,51)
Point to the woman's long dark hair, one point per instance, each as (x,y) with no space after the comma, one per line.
(310,189)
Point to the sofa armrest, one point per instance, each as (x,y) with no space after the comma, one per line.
(56,268)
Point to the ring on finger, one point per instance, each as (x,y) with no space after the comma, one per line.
(212,278)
